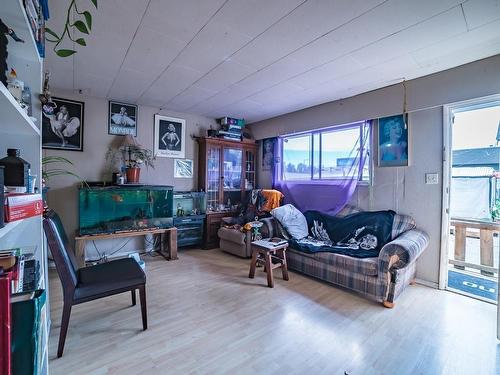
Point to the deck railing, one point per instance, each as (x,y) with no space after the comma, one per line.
(487,230)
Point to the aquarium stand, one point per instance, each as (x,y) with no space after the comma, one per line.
(170,233)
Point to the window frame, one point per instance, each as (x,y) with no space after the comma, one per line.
(319,132)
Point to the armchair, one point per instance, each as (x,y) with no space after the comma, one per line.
(236,240)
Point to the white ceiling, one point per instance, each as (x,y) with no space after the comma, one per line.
(257,59)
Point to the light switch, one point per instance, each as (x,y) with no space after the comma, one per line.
(431,178)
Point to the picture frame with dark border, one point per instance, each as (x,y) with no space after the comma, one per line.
(63,127)
(122,118)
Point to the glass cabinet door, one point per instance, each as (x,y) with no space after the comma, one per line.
(213,178)
(232,163)
(250,161)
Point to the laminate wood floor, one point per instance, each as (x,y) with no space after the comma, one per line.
(207,317)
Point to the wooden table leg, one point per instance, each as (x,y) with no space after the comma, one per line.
(460,239)
(284,266)
(269,268)
(80,253)
(172,244)
(486,250)
(253,264)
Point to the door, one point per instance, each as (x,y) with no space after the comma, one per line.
(471,199)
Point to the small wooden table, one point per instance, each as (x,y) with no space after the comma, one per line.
(269,252)
(171,254)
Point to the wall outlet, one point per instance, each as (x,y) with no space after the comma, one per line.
(431,178)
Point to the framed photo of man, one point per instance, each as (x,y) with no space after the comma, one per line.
(122,118)
(62,125)
(170,137)
(393,141)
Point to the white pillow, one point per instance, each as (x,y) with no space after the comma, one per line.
(292,219)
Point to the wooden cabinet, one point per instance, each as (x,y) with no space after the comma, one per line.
(226,171)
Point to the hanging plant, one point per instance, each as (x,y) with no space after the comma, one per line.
(83,24)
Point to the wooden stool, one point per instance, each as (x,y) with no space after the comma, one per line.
(265,254)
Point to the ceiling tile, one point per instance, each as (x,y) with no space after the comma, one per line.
(480,12)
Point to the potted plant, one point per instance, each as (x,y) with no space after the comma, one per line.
(51,167)
(133,157)
(136,158)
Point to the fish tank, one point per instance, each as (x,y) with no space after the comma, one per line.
(124,208)
(187,203)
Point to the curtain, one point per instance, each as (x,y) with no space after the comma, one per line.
(325,195)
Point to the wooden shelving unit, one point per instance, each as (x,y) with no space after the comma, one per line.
(17,130)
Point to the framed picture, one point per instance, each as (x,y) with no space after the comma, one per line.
(122,118)
(393,141)
(183,168)
(268,153)
(62,125)
(170,137)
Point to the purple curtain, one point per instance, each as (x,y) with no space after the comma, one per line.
(326,195)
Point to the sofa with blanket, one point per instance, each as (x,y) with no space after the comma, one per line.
(373,253)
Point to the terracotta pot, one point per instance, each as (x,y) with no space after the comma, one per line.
(133,175)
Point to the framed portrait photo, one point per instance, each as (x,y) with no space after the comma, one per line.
(62,125)
(183,168)
(393,141)
(170,137)
(122,118)
(268,153)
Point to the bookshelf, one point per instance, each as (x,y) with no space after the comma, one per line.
(17,130)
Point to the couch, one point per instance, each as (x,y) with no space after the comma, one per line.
(381,278)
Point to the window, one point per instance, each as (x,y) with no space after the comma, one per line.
(326,154)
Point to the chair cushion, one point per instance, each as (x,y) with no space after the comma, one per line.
(104,278)
(231,235)
(364,266)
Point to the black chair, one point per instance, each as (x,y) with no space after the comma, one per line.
(90,283)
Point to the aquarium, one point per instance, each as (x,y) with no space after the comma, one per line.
(189,203)
(124,208)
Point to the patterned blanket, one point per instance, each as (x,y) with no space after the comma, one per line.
(360,235)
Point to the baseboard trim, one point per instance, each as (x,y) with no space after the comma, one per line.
(430,284)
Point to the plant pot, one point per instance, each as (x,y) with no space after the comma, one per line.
(133,175)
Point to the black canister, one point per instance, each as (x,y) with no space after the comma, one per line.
(16,172)
(2,201)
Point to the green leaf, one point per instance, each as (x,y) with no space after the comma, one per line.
(81,27)
(81,41)
(50,32)
(88,19)
(65,52)
(94,2)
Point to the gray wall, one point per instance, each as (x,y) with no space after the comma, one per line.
(90,164)
(401,189)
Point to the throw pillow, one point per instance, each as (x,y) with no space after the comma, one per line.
(292,220)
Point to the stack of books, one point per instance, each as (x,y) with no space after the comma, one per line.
(231,128)
(37,22)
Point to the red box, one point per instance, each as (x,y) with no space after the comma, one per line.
(21,206)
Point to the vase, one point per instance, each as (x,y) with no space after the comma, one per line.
(133,175)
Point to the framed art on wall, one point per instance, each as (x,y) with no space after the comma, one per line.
(268,153)
(393,141)
(170,137)
(62,125)
(183,168)
(122,118)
